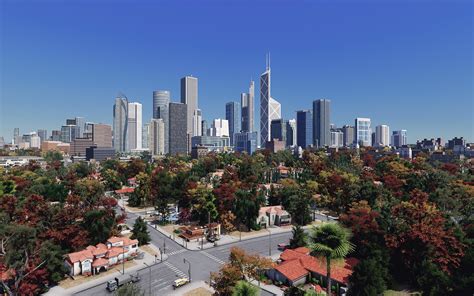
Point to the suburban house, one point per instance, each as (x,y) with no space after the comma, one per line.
(190,233)
(273,215)
(101,257)
(297,267)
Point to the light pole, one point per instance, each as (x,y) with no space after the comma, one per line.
(123,259)
(189,268)
(269,242)
(149,268)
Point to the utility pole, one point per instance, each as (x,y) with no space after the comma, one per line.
(123,259)
(269,242)
(189,268)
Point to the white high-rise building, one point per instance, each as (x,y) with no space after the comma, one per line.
(363,131)
(337,138)
(197,122)
(382,135)
(270,109)
(220,128)
(292,124)
(134,126)
(145,138)
(157,136)
(35,141)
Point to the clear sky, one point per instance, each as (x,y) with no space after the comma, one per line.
(408,64)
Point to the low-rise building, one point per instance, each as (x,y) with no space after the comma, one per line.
(273,215)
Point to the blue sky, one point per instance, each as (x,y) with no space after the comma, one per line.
(408,64)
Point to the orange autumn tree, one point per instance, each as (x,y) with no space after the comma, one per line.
(419,231)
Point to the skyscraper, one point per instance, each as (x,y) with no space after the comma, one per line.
(278,130)
(245,142)
(69,133)
(178,142)
(304,128)
(43,134)
(145,138)
(321,123)
(291,133)
(382,135)
(363,131)
(102,135)
(197,122)
(269,107)
(157,136)
(233,116)
(80,122)
(248,109)
(348,131)
(16,136)
(120,123)
(189,96)
(161,101)
(204,128)
(399,138)
(337,138)
(220,128)
(134,126)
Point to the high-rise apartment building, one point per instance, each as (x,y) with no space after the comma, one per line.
(321,123)
(233,116)
(337,138)
(304,128)
(363,131)
(270,108)
(399,138)
(161,101)
(248,109)
(157,136)
(348,131)
(178,118)
(382,135)
(120,123)
(134,135)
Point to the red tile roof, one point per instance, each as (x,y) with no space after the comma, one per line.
(302,250)
(100,262)
(115,239)
(125,190)
(80,256)
(292,270)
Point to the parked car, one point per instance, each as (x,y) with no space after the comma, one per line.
(118,282)
(282,246)
(180,282)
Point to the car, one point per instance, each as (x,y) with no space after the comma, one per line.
(282,246)
(180,282)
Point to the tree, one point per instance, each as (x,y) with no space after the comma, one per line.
(224,281)
(367,278)
(243,288)
(111,179)
(330,241)
(140,232)
(246,208)
(299,237)
(53,255)
(99,225)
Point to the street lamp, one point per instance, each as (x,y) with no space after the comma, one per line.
(149,268)
(123,259)
(189,268)
(269,242)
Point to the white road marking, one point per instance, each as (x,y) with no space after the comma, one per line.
(212,257)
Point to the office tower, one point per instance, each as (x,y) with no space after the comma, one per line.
(189,96)
(43,134)
(81,126)
(382,135)
(79,145)
(337,138)
(89,130)
(321,122)
(204,128)
(246,142)
(178,141)
(197,122)
(71,121)
(372,141)
(278,130)
(16,136)
(220,128)
(120,123)
(157,136)
(291,132)
(69,133)
(304,128)
(99,153)
(212,143)
(134,126)
(248,109)
(101,135)
(269,107)
(348,132)
(399,138)
(233,116)
(145,138)
(363,131)
(35,141)
(161,101)
(55,135)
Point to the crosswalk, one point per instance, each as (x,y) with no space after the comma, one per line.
(212,257)
(176,252)
(174,269)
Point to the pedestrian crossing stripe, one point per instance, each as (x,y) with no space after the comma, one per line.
(212,257)
(175,269)
(176,252)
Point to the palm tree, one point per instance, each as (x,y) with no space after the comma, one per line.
(330,241)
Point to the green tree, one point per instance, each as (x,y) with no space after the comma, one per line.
(204,208)
(246,207)
(99,225)
(111,179)
(53,255)
(299,237)
(243,288)
(140,232)
(330,241)
(367,278)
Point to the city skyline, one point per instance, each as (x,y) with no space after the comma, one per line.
(408,78)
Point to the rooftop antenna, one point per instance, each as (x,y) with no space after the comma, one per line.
(269,61)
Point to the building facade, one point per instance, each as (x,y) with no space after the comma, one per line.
(363,131)
(102,135)
(348,131)
(161,101)
(278,128)
(220,128)
(233,116)
(134,126)
(246,142)
(157,136)
(291,133)
(382,135)
(270,108)
(399,138)
(248,109)
(178,117)
(304,128)
(120,127)
(321,122)
(189,96)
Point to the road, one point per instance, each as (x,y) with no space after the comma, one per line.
(202,262)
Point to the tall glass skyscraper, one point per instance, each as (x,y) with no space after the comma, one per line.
(134,126)
(304,128)
(248,109)
(321,123)
(120,123)
(161,101)
(178,143)
(363,131)
(270,108)
(233,116)
(189,96)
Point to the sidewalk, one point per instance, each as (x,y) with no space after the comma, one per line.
(95,281)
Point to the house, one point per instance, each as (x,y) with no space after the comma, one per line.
(273,215)
(298,266)
(190,233)
(101,257)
